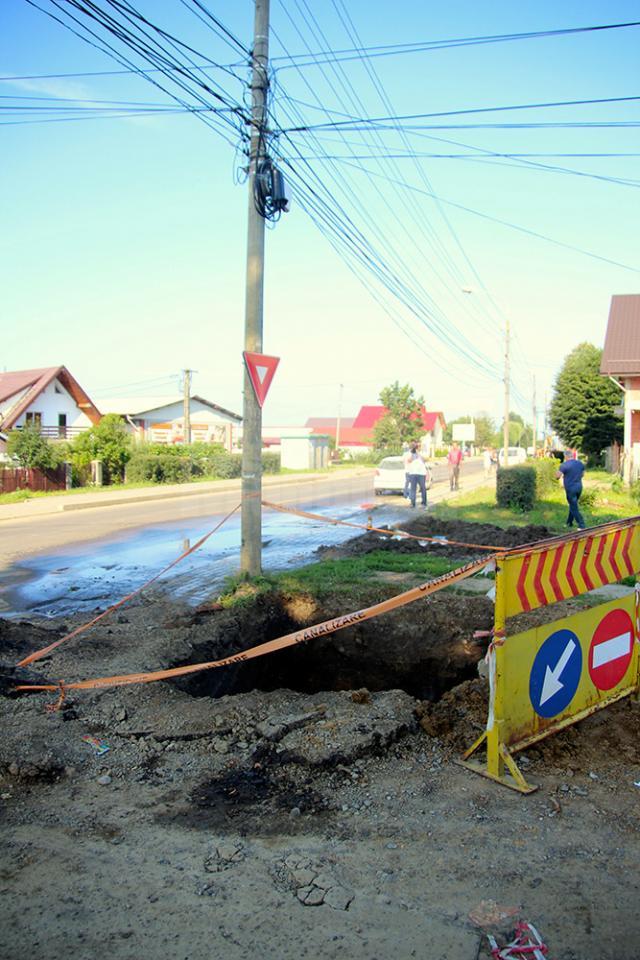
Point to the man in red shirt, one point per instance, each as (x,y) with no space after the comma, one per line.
(454,459)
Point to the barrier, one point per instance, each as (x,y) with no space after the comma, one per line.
(554,675)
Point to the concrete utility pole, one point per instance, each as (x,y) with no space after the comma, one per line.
(186,386)
(339,417)
(535,416)
(251,523)
(505,429)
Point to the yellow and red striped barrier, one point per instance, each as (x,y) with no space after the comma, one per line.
(555,674)
(555,571)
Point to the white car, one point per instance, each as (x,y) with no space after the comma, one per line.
(389,476)
(514,455)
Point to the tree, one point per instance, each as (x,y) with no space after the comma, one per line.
(31,450)
(108,441)
(583,403)
(402,423)
(520,433)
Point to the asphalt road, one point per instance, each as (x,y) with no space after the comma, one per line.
(22,538)
(56,564)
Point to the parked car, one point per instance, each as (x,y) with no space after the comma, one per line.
(514,455)
(389,476)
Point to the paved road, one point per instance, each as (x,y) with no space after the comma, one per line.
(59,563)
(38,533)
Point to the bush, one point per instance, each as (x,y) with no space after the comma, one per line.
(108,441)
(271,463)
(589,497)
(31,450)
(516,488)
(159,468)
(546,470)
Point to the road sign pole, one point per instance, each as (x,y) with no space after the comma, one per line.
(251,523)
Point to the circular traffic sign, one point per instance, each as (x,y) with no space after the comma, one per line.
(611,649)
(555,673)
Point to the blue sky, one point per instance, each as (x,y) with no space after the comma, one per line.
(123,248)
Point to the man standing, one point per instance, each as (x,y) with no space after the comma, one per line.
(454,458)
(571,472)
(417,476)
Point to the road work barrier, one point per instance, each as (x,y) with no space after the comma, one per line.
(554,675)
(280,643)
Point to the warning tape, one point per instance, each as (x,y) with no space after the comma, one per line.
(280,643)
(114,606)
(442,541)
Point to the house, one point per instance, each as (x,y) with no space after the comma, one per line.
(48,398)
(357,433)
(161,419)
(621,362)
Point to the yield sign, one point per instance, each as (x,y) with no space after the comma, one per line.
(611,649)
(261,370)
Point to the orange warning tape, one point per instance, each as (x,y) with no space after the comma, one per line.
(280,643)
(114,606)
(386,531)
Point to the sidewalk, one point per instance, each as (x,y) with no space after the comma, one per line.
(41,506)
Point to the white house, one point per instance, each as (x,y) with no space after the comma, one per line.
(161,419)
(49,398)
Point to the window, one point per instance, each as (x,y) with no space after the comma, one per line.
(62,424)
(34,419)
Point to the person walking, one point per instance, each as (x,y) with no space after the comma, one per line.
(454,459)
(406,459)
(486,462)
(417,471)
(571,472)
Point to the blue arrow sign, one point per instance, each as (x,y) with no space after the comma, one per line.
(555,673)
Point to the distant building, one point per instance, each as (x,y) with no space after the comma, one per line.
(621,362)
(161,419)
(357,433)
(48,398)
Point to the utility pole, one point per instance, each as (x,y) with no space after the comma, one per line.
(186,386)
(505,428)
(251,522)
(535,416)
(339,417)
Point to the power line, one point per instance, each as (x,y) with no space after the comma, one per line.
(385,50)
(371,121)
(515,226)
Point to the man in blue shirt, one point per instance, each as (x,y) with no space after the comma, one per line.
(571,471)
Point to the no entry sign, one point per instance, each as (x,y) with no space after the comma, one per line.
(611,649)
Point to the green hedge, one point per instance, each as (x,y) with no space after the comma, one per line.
(516,488)
(546,470)
(160,468)
(180,464)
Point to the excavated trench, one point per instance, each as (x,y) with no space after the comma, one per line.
(424,649)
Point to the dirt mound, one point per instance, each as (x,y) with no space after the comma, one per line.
(484,534)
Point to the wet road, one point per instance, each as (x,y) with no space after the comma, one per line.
(77,562)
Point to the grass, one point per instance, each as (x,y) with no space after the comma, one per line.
(334,577)
(601,504)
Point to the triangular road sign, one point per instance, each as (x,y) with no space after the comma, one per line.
(261,370)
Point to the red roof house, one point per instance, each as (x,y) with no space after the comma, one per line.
(49,398)
(358,432)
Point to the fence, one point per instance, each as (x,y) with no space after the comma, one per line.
(22,479)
